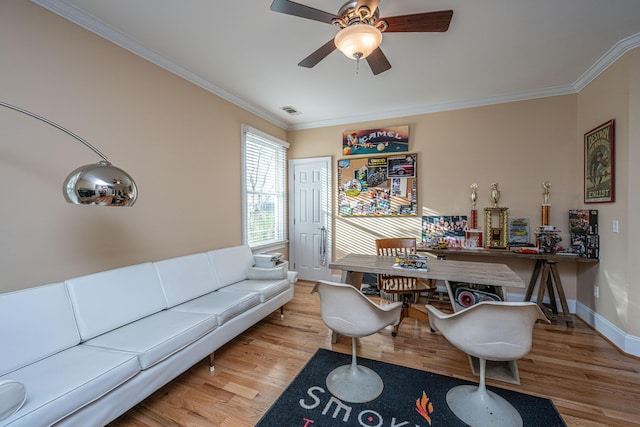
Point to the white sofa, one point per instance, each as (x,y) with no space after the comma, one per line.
(84,351)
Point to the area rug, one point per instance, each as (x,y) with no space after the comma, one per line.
(410,398)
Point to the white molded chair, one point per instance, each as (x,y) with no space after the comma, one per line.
(491,330)
(346,311)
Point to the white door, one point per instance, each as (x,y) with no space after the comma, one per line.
(310,217)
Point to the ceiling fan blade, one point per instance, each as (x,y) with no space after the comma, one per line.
(302,11)
(378,62)
(420,22)
(371,4)
(317,56)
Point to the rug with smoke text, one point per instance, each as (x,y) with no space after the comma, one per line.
(410,398)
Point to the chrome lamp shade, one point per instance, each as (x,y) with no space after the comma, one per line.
(99,184)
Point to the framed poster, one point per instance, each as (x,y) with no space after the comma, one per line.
(599,164)
(518,232)
(376,141)
(366,187)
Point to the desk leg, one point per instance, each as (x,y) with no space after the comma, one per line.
(563,299)
(353,278)
(552,294)
(542,287)
(550,283)
(533,280)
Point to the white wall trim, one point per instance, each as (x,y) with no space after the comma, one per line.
(628,344)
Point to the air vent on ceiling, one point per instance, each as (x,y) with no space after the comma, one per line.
(289,109)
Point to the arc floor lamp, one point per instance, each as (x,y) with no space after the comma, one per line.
(98,184)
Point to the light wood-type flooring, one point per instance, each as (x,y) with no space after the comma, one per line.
(589,380)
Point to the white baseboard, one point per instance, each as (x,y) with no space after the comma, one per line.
(626,343)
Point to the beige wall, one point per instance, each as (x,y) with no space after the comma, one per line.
(615,94)
(519,145)
(180,143)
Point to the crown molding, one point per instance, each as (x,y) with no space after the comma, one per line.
(436,108)
(606,60)
(88,22)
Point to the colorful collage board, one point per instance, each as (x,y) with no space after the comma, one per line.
(377,186)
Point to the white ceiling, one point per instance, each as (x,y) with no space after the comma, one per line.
(495,51)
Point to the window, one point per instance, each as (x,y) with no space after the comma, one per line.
(264,163)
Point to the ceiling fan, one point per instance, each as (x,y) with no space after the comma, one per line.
(361,29)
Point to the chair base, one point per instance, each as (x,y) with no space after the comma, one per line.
(478,408)
(357,384)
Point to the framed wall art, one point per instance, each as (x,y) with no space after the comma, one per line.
(387,140)
(599,164)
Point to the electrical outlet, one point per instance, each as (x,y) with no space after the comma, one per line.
(615,226)
(596,291)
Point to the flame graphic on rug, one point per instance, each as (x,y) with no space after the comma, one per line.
(424,407)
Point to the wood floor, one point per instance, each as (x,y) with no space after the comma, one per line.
(590,382)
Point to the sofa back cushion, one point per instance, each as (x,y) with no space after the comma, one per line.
(231,264)
(185,278)
(36,323)
(107,300)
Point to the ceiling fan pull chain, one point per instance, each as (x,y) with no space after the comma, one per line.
(357,56)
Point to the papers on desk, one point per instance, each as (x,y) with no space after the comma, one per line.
(401,267)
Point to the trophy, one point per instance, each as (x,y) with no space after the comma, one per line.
(547,236)
(494,194)
(474,211)
(496,221)
(545,206)
(473,236)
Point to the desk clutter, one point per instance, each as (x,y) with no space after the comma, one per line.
(502,232)
(583,227)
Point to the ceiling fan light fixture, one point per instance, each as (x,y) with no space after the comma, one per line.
(358,41)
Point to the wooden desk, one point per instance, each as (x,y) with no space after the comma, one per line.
(481,273)
(545,273)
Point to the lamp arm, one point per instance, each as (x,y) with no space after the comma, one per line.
(67,131)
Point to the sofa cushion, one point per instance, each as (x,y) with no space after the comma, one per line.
(12,397)
(186,278)
(266,288)
(66,381)
(158,336)
(231,264)
(36,323)
(224,305)
(110,299)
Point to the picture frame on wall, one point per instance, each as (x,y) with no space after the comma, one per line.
(599,164)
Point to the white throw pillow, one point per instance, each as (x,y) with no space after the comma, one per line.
(12,397)
(257,273)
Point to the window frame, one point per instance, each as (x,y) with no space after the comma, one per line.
(251,135)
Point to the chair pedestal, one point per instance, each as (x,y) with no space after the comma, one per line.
(354,383)
(478,407)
